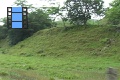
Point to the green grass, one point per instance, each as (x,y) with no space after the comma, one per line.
(92,22)
(74,68)
(60,24)
(75,54)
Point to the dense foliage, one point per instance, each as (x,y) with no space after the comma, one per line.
(79,11)
(113,13)
(38,20)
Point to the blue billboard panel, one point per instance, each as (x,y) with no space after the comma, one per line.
(17,17)
(16,24)
(16,9)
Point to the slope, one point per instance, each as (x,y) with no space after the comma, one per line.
(69,54)
(77,41)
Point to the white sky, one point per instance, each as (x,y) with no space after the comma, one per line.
(37,3)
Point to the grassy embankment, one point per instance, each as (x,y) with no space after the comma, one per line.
(75,54)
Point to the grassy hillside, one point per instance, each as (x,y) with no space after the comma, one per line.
(92,41)
(71,54)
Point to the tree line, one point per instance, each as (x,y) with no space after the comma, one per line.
(78,12)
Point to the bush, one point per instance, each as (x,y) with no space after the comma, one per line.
(17,35)
(3,32)
(38,20)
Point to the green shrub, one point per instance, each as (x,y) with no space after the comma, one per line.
(3,32)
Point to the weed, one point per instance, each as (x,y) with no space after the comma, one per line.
(3,73)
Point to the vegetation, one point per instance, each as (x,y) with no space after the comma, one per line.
(67,51)
(38,20)
(79,11)
(72,54)
(114,19)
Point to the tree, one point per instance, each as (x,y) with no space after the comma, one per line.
(51,10)
(54,10)
(113,13)
(3,29)
(79,11)
(17,35)
(37,20)
(23,3)
(57,11)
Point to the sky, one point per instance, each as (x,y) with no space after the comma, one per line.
(37,3)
